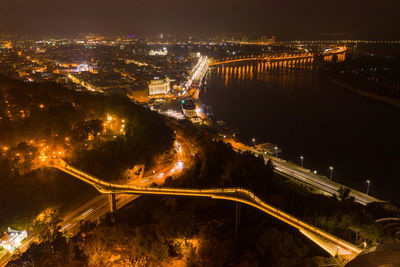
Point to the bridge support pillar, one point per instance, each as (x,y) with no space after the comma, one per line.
(112,203)
(237,219)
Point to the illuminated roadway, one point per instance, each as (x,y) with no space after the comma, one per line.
(330,243)
(305,176)
(97,207)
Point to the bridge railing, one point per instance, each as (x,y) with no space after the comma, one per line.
(234,194)
(297,222)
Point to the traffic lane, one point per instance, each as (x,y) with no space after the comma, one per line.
(76,212)
(95,208)
(327,186)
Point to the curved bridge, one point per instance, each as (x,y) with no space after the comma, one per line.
(330,243)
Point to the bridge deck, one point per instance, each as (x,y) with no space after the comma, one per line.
(330,243)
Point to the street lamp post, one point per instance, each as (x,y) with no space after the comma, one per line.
(331,170)
(368,182)
(302,159)
(276,151)
(254,141)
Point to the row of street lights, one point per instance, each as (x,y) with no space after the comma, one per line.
(302,163)
(331,173)
(330,168)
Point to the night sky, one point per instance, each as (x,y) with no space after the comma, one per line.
(288,19)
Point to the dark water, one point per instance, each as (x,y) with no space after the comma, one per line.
(304,114)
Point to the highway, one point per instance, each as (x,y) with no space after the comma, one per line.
(305,176)
(330,243)
(90,211)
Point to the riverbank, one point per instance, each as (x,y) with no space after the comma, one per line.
(306,115)
(385,99)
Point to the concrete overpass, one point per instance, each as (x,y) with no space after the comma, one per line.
(330,243)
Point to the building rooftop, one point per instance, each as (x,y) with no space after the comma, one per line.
(188,104)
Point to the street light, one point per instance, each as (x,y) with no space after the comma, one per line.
(302,159)
(254,141)
(276,151)
(331,169)
(368,182)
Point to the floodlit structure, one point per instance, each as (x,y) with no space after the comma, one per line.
(159,86)
(195,54)
(82,67)
(12,239)
(159,52)
(188,108)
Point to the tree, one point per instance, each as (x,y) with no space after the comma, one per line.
(280,248)
(344,194)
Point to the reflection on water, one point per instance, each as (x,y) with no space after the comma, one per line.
(243,72)
(289,104)
(240,73)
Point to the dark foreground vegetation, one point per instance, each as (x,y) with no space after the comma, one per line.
(217,165)
(157,231)
(168,231)
(104,135)
(175,232)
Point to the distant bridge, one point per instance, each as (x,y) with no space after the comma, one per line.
(330,243)
(275,58)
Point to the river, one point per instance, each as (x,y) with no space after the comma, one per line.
(306,115)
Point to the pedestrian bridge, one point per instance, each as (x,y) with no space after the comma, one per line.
(330,243)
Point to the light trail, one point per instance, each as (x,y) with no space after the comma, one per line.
(198,71)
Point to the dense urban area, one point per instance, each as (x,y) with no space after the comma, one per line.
(109,157)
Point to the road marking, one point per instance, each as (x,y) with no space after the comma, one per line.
(65,227)
(86,213)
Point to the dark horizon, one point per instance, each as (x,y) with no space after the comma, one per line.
(287,20)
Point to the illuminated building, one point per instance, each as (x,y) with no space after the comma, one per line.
(159,86)
(194,54)
(4,44)
(188,108)
(159,52)
(82,67)
(12,239)
(271,40)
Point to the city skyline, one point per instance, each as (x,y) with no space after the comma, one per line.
(288,20)
(199,133)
